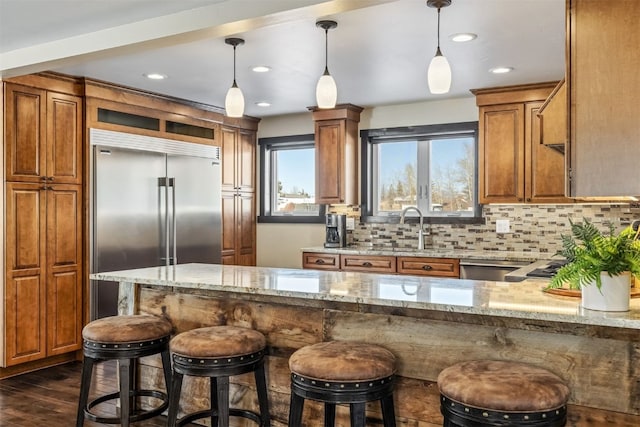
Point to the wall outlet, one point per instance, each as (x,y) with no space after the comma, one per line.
(502,226)
(351,223)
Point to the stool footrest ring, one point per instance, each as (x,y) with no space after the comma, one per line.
(139,416)
(253,416)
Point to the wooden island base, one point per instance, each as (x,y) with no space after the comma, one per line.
(602,371)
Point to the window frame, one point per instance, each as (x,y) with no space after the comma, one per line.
(267,146)
(369,137)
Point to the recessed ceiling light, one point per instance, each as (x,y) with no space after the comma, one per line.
(155,76)
(261,69)
(263,104)
(463,37)
(501,70)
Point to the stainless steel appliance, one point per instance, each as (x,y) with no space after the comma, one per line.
(494,270)
(154,202)
(336,231)
(548,270)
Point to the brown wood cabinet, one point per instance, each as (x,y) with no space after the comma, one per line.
(514,166)
(43,295)
(434,267)
(368,263)
(604,90)
(407,265)
(238,196)
(320,261)
(336,142)
(43,234)
(43,136)
(554,130)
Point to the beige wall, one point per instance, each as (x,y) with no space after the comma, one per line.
(278,245)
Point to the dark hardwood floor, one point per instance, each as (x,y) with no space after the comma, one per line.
(49,397)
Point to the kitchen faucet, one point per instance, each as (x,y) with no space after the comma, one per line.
(421,232)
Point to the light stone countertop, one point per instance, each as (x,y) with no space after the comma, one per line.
(436,253)
(521,300)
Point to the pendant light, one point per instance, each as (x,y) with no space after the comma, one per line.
(439,74)
(326,89)
(234,102)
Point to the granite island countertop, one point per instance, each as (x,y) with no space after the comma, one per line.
(382,293)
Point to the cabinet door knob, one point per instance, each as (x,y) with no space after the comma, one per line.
(427,267)
(319,261)
(367,264)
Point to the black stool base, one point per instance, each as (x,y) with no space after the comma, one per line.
(356,394)
(126,355)
(458,414)
(219,370)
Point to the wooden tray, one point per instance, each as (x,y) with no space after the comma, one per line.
(566,292)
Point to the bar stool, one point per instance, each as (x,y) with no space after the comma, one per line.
(342,372)
(219,352)
(125,339)
(500,393)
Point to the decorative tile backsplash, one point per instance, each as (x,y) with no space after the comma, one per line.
(533,228)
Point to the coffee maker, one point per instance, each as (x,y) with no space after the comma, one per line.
(336,231)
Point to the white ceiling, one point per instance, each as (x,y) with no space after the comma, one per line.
(378,55)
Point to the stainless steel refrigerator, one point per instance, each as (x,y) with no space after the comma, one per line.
(154,202)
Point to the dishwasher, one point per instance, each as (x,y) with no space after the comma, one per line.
(494,270)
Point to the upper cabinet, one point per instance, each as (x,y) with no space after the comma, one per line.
(336,141)
(604,89)
(43,136)
(514,165)
(554,131)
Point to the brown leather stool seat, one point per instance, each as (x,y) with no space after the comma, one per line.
(219,352)
(499,393)
(342,372)
(125,339)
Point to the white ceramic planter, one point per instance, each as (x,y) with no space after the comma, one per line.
(613,296)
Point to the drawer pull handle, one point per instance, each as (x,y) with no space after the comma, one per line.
(319,261)
(367,264)
(427,267)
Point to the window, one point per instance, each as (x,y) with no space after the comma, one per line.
(431,167)
(288,180)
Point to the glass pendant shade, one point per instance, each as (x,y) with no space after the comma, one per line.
(326,91)
(234,102)
(439,74)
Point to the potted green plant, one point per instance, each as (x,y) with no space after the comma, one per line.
(600,265)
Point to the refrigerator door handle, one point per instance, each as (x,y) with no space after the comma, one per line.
(164,183)
(172,184)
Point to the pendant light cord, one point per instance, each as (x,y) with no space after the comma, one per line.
(438,52)
(326,51)
(234,67)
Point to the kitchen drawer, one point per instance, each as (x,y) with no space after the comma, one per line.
(368,264)
(320,261)
(437,267)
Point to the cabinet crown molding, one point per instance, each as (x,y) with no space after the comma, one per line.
(512,94)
